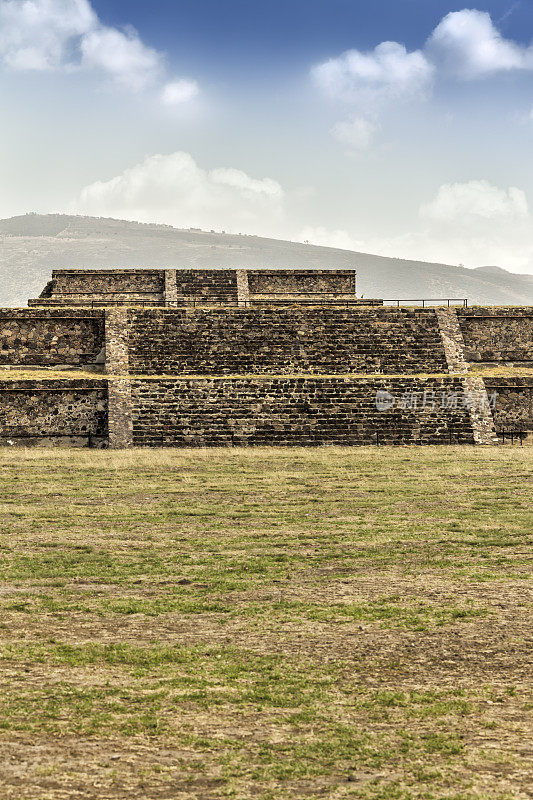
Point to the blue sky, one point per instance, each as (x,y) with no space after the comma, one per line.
(402,127)
(293,31)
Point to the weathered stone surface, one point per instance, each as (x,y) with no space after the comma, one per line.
(50,336)
(287,339)
(117,331)
(74,287)
(301,281)
(292,362)
(243,290)
(497,334)
(514,402)
(452,339)
(171,288)
(53,412)
(119,388)
(161,287)
(182,412)
(120,425)
(480,412)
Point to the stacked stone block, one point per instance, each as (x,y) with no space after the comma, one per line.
(513,402)
(45,337)
(74,287)
(288,411)
(496,335)
(324,340)
(45,412)
(245,358)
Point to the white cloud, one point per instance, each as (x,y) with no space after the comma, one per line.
(388,71)
(173,189)
(475,200)
(467,44)
(177,92)
(40,34)
(122,56)
(356,134)
(67,35)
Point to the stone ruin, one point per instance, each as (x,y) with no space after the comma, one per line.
(234,357)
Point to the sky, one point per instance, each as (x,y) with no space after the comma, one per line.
(397,127)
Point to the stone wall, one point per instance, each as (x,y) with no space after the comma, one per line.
(294,281)
(205,412)
(514,402)
(44,412)
(173,287)
(104,287)
(51,336)
(497,334)
(324,340)
(108,280)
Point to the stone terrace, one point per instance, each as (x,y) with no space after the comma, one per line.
(252,357)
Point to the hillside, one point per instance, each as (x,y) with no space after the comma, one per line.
(32,245)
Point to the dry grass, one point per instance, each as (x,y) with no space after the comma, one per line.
(265,623)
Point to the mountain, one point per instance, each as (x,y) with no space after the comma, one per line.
(32,245)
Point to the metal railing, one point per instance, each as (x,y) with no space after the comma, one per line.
(322,299)
(512,435)
(431,301)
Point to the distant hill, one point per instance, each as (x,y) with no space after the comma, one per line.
(32,245)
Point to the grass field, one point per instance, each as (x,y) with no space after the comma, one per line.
(329,623)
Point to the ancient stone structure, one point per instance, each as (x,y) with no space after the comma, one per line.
(284,339)
(285,410)
(168,287)
(513,402)
(35,412)
(498,335)
(247,357)
(51,336)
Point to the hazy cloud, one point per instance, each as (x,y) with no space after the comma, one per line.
(356,134)
(324,237)
(177,92)
(173,189)
(67,34)
(472,223)
(475,200)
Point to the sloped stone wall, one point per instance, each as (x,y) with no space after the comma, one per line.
(119,385)
(324,340)
(40,412)
(494,334)
(311,411)
(49,336)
